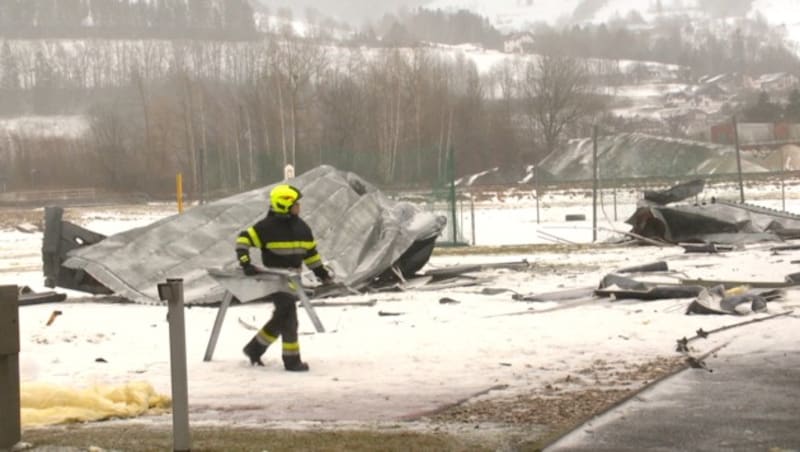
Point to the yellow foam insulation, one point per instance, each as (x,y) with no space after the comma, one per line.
(45,404)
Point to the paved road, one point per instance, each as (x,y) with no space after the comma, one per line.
(750,401)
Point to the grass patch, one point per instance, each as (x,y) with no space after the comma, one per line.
(139,437)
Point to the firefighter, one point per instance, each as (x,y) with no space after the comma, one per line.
(286,242)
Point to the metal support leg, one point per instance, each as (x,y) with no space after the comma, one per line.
(307,304)
(212,341)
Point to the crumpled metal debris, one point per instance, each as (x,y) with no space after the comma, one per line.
(360,232)
(735,301)
(719,221)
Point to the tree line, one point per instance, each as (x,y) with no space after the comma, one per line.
(764,109)
(229,115)
(750,47)
(169,19)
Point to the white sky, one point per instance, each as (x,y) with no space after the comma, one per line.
(369,368)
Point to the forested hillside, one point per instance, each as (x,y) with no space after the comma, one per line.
(195,87)
(199,19)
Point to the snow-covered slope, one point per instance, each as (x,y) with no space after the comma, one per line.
(510,15)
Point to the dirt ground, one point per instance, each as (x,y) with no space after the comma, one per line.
(521,423)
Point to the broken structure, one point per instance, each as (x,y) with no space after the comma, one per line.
(361,234)
(716,222)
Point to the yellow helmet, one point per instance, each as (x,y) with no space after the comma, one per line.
(283,197)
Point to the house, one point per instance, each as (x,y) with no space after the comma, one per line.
(777,82)
(753,133)
(724,83)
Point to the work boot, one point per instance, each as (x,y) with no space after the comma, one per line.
(292,363)
(253,350)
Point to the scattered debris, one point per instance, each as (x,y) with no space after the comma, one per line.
(733,283)
(28,297)
(736,301)
(711,248)
(659,266)
(676,193)
(560,295)
(447,300)
(388,314)
(714,223)
(27,228)
(53,317)
(623,287)
(683,343)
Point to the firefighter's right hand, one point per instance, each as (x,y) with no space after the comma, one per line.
(249,269)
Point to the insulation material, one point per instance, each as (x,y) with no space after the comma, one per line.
(45,404)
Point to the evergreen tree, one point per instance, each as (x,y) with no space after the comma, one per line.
(763,110)
(792,111)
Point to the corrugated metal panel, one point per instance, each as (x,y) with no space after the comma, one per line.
(360,234)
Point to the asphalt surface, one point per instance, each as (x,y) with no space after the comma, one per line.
(747,400)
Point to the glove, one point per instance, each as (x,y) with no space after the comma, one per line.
(324,275)
(249,269)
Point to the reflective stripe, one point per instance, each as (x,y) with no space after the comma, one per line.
(292,286)
(288,251)
(312,260)
(302,244)
(254,237)
(291,349)
(266,337)
(243,241)
(244,258)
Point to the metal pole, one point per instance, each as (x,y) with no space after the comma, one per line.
(536,189)
(10,427)
(783,182)
(472,212)
(202,171)
(452,170)
(212,341)
(738,159)
(594,183)
(172,291)
(179,191)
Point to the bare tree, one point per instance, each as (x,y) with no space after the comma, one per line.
(296,65)
(555,90)
(385,87)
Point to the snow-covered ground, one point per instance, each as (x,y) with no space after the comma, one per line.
(409,352)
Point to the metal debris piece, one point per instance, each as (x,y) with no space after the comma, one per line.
(676,193)
(361,233)
(53,316)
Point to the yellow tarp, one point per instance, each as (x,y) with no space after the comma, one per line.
(45,404)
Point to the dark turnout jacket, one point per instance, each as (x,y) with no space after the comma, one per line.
(285,240)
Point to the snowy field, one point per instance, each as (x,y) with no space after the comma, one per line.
(409,352)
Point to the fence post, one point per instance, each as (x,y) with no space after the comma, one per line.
(10,428)
(594,184)
(172,291)
(738,159)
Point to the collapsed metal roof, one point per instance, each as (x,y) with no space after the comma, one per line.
(718,221)
(638,155)
(360,232)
